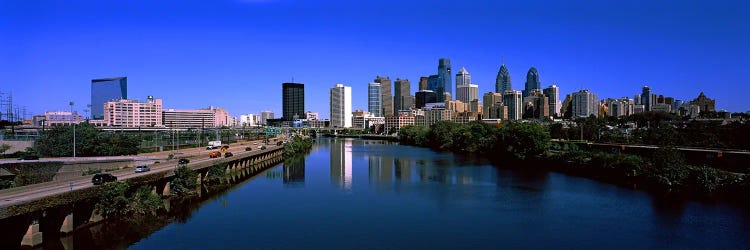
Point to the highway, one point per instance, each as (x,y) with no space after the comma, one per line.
(9,197)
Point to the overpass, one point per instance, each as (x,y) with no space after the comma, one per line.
(60,207)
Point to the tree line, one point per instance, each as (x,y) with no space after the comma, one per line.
(90,141)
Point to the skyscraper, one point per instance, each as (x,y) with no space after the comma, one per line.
(433,84)
(585,104)
(423,83)
(292,101)
(402,90)
(424,96)
(463,77)
(553,93)
(444,75)
(104,90)
(646,99)
(374,99)
(502,82)
(341,106)
(532,81)
(512,99)
(467,92)
(386,97)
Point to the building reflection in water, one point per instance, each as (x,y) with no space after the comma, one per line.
(294,171)
(341,163)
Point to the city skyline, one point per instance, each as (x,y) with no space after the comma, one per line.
(53,53)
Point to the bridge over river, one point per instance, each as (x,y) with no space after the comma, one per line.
(52,205)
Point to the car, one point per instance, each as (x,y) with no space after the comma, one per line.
(228,154)
(183,161)
(255,143)
(248,148)
(99,179)
(214,154)
(278,143)
(28,157)
(262,148)
(141,169)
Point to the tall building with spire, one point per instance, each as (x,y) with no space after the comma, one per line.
(532,81)
(502,82)
(385,92)
(463,77)
(444,76)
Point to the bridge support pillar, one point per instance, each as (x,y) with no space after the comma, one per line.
(96,216)
(166,190)
(33,236)
(67,225)
(199,179)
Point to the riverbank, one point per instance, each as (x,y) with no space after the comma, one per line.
(665,171)
(366,136)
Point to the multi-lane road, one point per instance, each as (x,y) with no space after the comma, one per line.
(23,194)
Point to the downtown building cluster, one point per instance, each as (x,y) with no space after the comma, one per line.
(392,105)
(111,108)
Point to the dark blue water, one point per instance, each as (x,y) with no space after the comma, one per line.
(359,194)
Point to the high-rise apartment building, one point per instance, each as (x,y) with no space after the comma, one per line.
(341,106)
(467,92)
(293,101)
(386,97)
(374,99)
(532,81)
(105,90)
(402,91)
(512,99)
(444,75)
(502,82)
(553,94)
(585,104)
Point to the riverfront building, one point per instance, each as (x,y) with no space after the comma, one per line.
(402,95)
(293,101)
(385,95)
(104,90)
(341,106)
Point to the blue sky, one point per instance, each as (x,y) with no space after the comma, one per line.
(235,54)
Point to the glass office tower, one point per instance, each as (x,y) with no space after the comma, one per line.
(104,90)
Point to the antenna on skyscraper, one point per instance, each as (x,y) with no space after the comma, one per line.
(502,60)
(292,79)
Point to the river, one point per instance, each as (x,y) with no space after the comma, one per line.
(367,194)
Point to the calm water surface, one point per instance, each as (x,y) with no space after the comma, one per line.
(355,194)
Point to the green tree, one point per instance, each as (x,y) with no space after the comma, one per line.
(523,140)
(144,202)
(669,168)
(114,201)
(185,180)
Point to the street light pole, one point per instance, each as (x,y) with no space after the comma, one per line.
(74,128)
